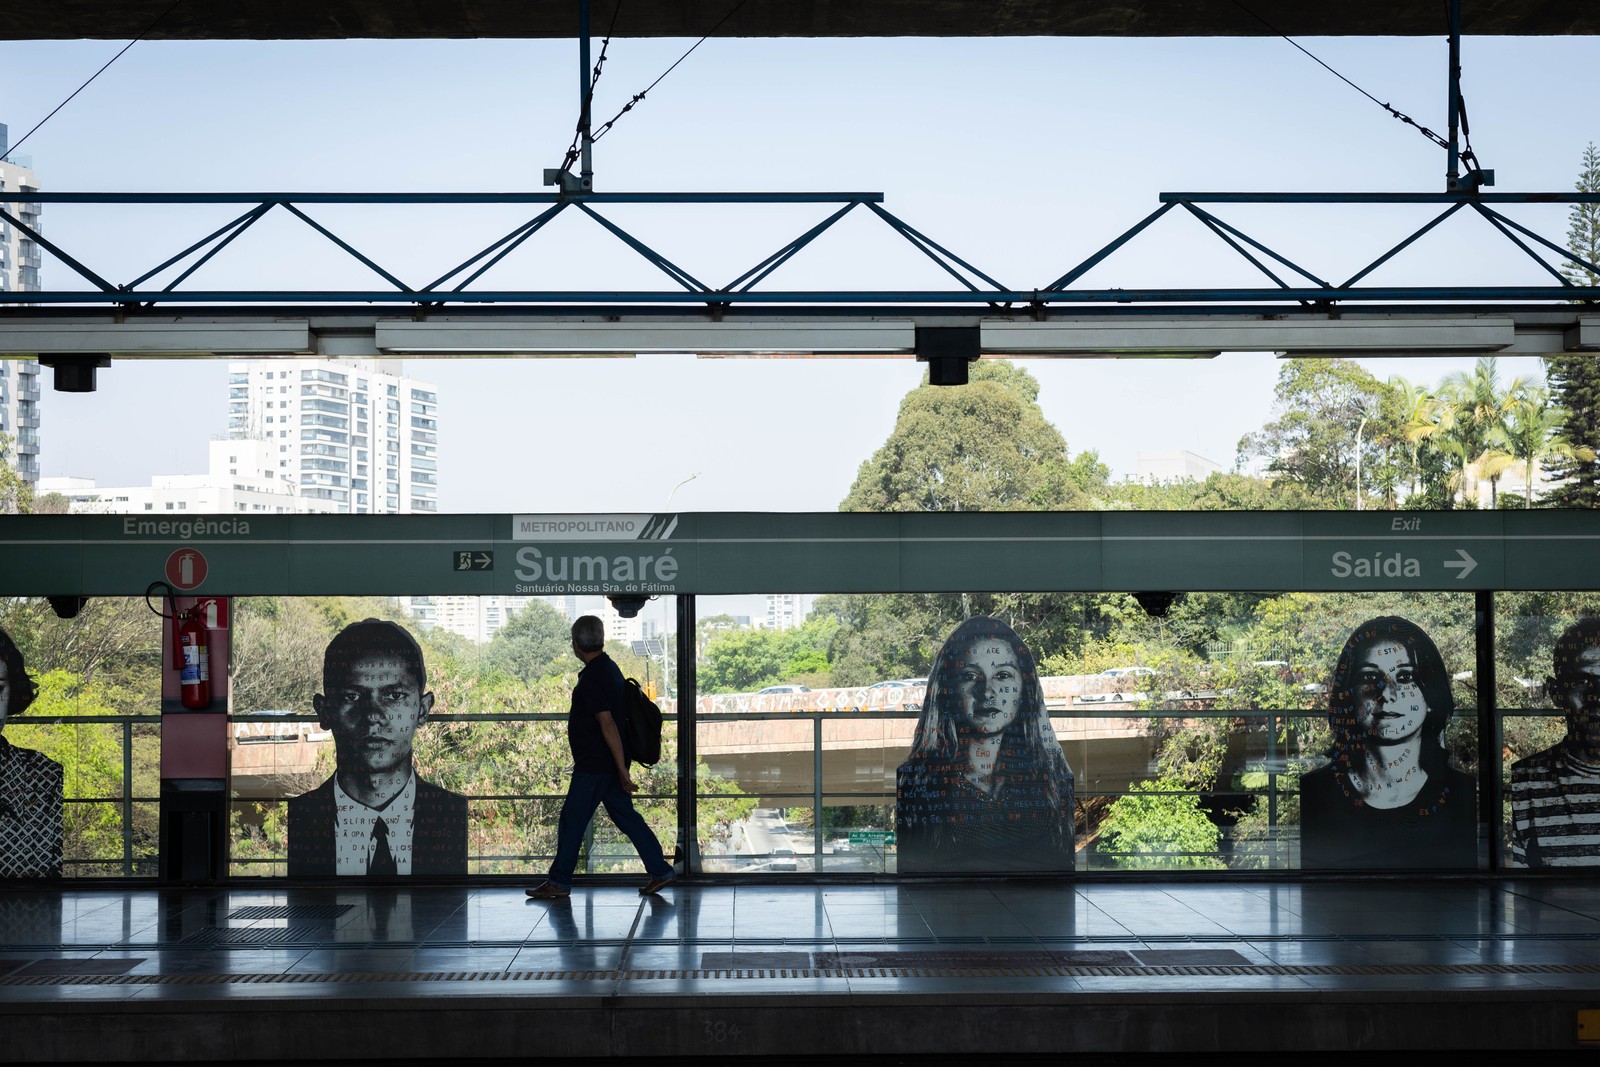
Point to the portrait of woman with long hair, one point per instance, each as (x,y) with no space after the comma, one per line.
(986,786)
(1389,797)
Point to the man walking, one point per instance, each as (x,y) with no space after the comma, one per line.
(600,768)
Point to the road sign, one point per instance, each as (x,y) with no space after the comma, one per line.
(871,837)
(474,560)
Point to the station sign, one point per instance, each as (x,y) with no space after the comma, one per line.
(737,552)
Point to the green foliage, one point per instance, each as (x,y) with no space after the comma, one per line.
(1151,828)
(1575,378)
(1219,492)
(16,495)
(1583,223)
(741,661)
(534,643)
(1320,408)
(277,653)
(90,755)
(984,446)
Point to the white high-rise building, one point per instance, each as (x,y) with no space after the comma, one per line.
(784,611)
(356,433)
(477,618)
(619,629)
(19,273)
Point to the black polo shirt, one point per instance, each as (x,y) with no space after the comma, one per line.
(599,689)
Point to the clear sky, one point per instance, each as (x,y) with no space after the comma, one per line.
(1022,155)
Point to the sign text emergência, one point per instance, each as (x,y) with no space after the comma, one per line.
(538,572)
(185,529)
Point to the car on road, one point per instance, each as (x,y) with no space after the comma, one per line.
(773,689)
(902,683)
(783,859)
(1127,672)
(1118,698)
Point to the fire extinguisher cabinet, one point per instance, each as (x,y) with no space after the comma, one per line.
(194,742)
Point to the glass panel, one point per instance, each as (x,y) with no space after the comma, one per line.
(329,720)
(985,732)
(80,753)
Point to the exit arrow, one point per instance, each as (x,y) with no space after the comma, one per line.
(485,560)
(1465,564)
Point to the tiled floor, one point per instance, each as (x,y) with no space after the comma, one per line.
(961,947)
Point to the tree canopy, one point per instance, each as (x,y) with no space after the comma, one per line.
(985,446)
(1320,408)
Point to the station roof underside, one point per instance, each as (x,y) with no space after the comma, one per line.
(307,19)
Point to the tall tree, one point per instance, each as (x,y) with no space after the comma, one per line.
(1533,436)
(1477,422)
(1322,408)
(535,642)
(1575,379)
(984,446)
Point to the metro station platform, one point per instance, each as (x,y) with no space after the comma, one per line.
(924,969)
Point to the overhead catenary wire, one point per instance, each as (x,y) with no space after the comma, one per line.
(146,32)
(1391,109)
(639,96)
(606,127)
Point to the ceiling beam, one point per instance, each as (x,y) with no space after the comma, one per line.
(323,19)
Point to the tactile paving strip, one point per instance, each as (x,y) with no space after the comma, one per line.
(769,973)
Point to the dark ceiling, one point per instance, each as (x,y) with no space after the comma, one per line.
(274,19)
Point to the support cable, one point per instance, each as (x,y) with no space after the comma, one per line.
(147,30)
(1402,116)
(639,96)
(588,98)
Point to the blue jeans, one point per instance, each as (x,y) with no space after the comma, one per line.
(586,793)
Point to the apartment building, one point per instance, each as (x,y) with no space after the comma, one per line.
(358,434)
(19,273)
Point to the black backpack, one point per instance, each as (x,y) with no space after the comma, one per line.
(643,730)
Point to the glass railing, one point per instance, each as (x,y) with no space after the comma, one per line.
(511,769)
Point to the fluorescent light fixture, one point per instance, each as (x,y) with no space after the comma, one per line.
(876,335)
(1199,336)
(134,339)
(778,337)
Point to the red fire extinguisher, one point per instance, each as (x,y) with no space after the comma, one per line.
(194,661)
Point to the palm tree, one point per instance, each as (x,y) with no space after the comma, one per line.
(1477,425)
(1533,435)
(1421,413)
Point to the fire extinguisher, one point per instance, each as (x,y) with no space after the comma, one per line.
(194,661)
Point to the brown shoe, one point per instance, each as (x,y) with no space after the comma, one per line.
(655,885)
(549,891)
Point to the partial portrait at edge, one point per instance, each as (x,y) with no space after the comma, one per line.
(31,784)
(1555,794)
(986,786)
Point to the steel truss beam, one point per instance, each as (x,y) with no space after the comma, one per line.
(1287,282)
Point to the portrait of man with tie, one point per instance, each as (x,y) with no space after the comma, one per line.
(374,817)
